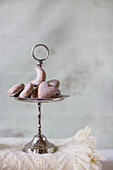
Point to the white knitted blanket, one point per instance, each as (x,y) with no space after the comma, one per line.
(77,152)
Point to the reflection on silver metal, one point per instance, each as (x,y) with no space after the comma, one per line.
(45,100)
(40,60)
(39,143)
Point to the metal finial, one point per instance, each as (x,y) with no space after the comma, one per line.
(40,61)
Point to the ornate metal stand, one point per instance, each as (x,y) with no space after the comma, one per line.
(39,143)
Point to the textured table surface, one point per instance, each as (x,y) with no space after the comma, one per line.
(77,152)
(108,163)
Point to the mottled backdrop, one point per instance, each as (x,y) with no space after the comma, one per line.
(79,34)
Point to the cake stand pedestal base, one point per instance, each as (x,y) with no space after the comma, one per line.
(39,144)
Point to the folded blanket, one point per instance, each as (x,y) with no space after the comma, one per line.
(77,152)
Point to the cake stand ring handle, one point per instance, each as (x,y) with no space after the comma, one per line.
(40,60)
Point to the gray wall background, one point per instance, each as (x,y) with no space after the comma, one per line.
(79,34)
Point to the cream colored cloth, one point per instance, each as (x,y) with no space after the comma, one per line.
(77,152)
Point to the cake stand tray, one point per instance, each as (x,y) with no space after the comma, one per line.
(45,100)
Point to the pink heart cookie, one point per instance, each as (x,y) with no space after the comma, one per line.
(46,91)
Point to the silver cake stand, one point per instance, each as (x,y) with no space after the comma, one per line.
(39,143)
